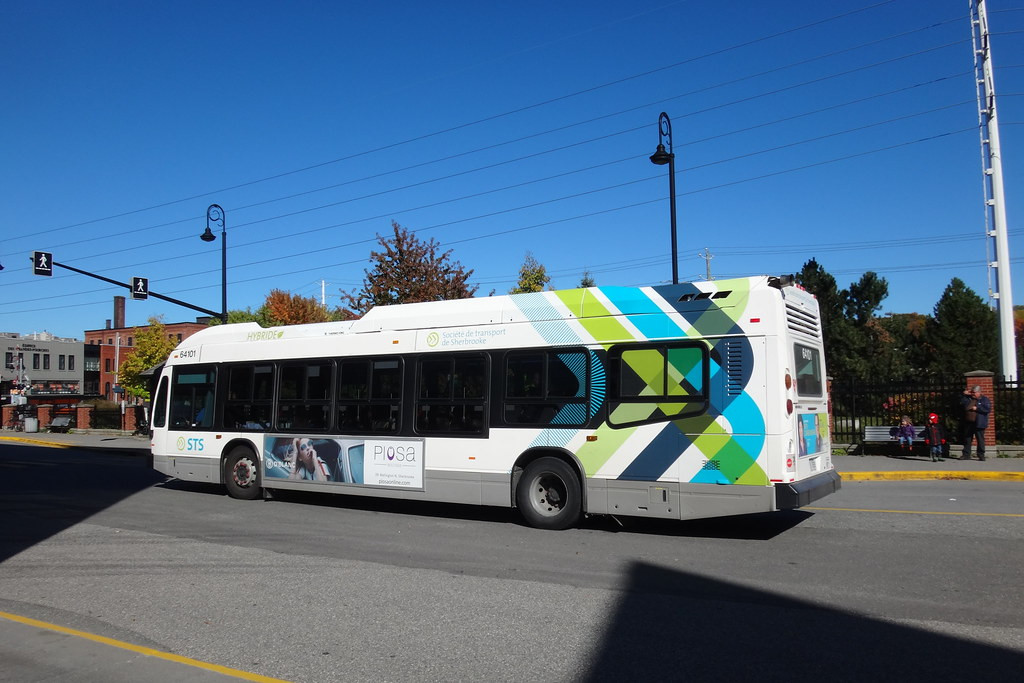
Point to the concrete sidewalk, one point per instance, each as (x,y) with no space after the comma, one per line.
(918,467)
(851,467)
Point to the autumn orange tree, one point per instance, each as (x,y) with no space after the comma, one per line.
(285,308)
(408,270)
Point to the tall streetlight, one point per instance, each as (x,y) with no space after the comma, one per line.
(215,215)
(660,158)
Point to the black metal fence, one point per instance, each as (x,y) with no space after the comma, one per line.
(856,405)
(107,418)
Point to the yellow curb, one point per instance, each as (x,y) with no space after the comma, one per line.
(923,476)
(235,673)
(36,442)
(920,512)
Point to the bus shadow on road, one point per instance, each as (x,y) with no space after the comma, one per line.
(673,625)
(756,527)
(763,526)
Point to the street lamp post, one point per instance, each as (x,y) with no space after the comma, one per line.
(215,215)
(660,158)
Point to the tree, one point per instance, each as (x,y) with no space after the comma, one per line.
(822,285)
(964,332)
(857,345)
(239,316)
(284,308)
(864,297)
(587,280)
(532,277)
(408,270)
(152,347)
(1018,335)
(906,351)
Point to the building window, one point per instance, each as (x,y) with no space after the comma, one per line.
(131,342)
(35,361)
(110,341)
(106,365)
(46,361)
(9,360)
(61,362)
(71,362)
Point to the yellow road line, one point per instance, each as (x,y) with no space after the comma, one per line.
(245,675)
(931,475)
(920,512)
(37,442)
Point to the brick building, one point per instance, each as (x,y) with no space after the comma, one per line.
(107,348)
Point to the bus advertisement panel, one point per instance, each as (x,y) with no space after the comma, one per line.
(393,463)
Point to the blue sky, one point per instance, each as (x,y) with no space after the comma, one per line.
(843,131)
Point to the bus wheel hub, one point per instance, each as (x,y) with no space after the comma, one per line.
(244,473)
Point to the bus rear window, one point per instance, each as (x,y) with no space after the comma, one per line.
(808,370)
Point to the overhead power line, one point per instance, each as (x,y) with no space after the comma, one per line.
(485,119)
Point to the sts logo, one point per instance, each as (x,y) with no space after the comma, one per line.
(189,444)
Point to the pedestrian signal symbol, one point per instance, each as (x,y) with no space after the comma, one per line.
(42,263)
(140,288)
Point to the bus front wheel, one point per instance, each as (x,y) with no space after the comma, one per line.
(242,474)
(548,494)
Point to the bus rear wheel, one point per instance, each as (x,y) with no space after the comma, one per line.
(242,474)
(548,494)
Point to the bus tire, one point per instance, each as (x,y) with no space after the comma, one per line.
(242,474)
(548,494)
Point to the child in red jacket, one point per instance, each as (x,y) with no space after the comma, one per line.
(934,437)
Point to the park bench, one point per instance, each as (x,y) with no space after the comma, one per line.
(886,434)
(61,423)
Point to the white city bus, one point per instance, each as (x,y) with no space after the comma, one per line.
(680,401)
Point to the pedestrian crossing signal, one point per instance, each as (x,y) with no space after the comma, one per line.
(42,263)
(140,288)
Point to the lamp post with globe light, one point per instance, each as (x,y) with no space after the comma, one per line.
(215,215)
(660,158)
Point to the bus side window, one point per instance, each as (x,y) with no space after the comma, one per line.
(369,395)
(250,396)
(656,382)
(160,405)
(192,393)
(304,396)
(546,388)
(452,394)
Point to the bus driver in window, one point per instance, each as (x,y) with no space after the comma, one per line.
(308,465)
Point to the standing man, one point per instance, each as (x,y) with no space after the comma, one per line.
(976,409)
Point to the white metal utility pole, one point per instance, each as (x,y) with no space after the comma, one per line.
(995,201)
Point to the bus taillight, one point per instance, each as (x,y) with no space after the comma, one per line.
(789,406)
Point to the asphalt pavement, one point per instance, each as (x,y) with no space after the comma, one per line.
(125,662)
